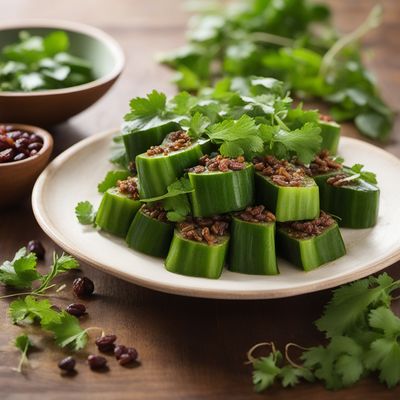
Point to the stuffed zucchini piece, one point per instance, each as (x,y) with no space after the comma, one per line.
(221,185)
(285,189)
(199,247)
(150,232)
(344,194)
(330,133)
(162,165)
(252,243)
(310,244)
(118,207)
(138,139)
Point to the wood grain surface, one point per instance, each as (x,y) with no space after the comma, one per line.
(189,348)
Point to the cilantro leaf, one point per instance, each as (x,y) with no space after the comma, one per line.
(384,356)
(291,376)
(23,344)
(265,371)
(350,302)
(367,176)
(67,332)
(175,201)
(85,213)
(304,142)
(31,309)
(154,104)
(118,155)
(197,125)
(21,272)
(111,179)
(384,319)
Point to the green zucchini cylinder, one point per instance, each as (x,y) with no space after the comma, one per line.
(187,257)
(149,235)
(137,140)
(156,172)
(357,205)
(330,133)
(288,203)
(116,212)
(218,192)
(252,247)
(311,252)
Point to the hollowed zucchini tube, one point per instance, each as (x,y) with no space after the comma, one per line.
(137,140)
(158,170)
(330,133)
(188,257)
(116,212)
(148,234)
(309,251)
(288,203)
(355,203)
(217,192)
(252,247)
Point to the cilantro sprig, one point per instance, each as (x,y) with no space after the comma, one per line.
(363,337)
(23,344)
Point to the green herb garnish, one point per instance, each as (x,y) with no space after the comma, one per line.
(23,344)
(291,41)
(41,63)
(85,213)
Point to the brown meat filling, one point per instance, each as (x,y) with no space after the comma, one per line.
(218,163)
(323,163)
(155,211)
(204,229)
(281,172)
(129,187)
(305,229)
(256,214)
(175,141)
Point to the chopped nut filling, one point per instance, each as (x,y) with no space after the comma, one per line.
(281,172)
(155,211)
(218,163)
(204,229)
(304,229)
(175,141)
(129,187)
(323,163)
(341,179)
(256,214)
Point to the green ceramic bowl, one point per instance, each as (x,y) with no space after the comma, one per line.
(50,107)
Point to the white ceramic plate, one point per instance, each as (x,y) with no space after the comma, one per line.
(73,177)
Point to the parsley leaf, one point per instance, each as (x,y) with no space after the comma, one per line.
(21,271)
(147,107)
(197,125)
(111,179)
(30,309)
(23,344)
(85,213)
(67,331)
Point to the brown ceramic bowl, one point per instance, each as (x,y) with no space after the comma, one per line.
(49,107)
(17,177)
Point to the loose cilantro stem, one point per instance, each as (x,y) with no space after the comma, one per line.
(249,354)
(272,39)
(23,358)
(25,294)
(373,20)
(289,360)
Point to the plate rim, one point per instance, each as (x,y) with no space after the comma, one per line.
(38,208)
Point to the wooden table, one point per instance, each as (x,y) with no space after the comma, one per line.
(190,348)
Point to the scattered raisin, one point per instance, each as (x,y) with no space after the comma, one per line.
(106,343)
(76,309)
(83,287)
(125,355)
(67,364)
(34,246)
(96,362)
